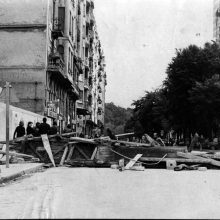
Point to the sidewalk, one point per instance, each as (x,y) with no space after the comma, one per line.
(17,170)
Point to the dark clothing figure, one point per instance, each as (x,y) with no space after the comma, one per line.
(81,135)
(194,143)
(53,129)
(20,130)
(37,130)
(111,135)
(44,127)
(29,129)
(67,129)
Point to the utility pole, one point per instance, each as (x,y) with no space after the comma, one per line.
(7,86)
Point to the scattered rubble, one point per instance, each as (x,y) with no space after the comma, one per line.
(66,149)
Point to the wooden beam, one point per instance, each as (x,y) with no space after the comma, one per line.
(94,153)
(70,153)
(193,157)
(83,140)
(16,154)
(128,143)
(61,148)
(133,161)
(81,151)
(64,155)
(178,160)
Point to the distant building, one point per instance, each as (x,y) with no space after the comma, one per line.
(46,53)
(216,21)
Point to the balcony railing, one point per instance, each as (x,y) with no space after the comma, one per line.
(56,65)
(58,28)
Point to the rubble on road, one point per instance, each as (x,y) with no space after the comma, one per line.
(66,149)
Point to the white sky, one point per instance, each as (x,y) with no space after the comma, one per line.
(139,38)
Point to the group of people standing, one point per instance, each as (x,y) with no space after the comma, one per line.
(37,130)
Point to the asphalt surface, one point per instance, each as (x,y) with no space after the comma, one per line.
(64,192)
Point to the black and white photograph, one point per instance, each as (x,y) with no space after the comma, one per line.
(109,109)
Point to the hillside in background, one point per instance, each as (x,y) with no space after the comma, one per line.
(116,117)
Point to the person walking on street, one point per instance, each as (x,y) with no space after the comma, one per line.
(19,131)
(29,129)
(44,127)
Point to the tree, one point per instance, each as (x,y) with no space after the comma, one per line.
(116,117)
(150,112)
(187,74)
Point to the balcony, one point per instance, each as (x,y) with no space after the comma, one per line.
(55,64)
(83,108)
(58,28)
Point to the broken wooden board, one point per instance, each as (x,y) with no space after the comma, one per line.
(127,143)
(94,153)
(16,154)
(133,161)
(178,160)
(202,159)
(46,144)
(83,140)
(64,156)
(157,152)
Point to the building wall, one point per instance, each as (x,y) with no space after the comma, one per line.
(15,116)
(23,50)
(216,20)
(17,12)
(43,67)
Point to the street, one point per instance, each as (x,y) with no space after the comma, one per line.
(64,192)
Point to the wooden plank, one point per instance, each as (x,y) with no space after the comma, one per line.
(16,154)
(94,153)
(46,144)
(64,155)
(128,143)
(70,153)
(124,135)
(83,140)
(61,148)
(191,156)
(82,152)
(178,160)
(133,161)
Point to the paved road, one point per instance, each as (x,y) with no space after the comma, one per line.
(105,193)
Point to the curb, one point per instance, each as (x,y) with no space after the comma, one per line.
(21,173)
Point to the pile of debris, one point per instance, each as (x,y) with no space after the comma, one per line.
(66,149)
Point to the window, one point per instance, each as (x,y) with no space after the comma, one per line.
(70,24)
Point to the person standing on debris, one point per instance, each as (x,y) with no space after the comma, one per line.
(20,130)
(195,142)
(37,130)
(81,135)
(53,129)
(44,127)
(29,129)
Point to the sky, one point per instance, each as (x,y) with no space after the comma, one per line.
(139,38)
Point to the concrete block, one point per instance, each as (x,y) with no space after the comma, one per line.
(170,164)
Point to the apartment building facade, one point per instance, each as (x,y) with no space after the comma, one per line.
(45,55)
(216,20)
